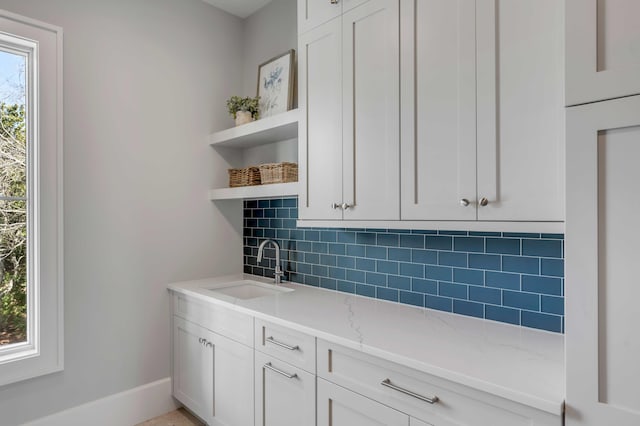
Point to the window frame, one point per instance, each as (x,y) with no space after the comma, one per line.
(42,353)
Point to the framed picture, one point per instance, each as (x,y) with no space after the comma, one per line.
(275,84)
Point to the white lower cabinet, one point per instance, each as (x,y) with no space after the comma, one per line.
(421,396)
(232,383)
(341,407)
(212,374)
(285,394)
(278,376)
(192,363)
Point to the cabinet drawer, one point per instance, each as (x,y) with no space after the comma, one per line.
(293,347)
(341,407)
(408,391)
(228,323)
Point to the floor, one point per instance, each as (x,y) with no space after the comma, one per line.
(179,417)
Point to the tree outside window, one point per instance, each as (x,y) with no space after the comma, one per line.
(13,200)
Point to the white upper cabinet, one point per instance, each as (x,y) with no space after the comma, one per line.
(320,134)
(603,49)
(482,110)
(520,129)
(349,130)
(312,13)
(371,101)
(438,110)
(602,339)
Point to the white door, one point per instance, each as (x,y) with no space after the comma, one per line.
(285,395)
(320,135)
(233,382)
(193,368)
(338,406)
(603,49)
(520,136)
(371,104)
(602,338)
(438,111)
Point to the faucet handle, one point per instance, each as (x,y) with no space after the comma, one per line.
(278,274)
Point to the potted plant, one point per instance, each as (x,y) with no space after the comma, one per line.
(243,110)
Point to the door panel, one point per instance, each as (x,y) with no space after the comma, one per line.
(438,110)
(192,368)
(282,400)
(233,382)
(320,136)
(312,13)
(603,345)
(520,152)
(371,133)
(603,49)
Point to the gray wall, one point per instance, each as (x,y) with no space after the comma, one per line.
(267,33)
(144,82)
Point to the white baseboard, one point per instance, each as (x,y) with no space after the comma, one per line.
(126,408)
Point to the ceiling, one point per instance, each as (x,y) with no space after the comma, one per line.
(241,8)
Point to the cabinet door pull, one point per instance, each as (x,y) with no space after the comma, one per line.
(346,206)
(282,345)
(464,202)
(268,366)
(334,1)
(336,206)
(483,202)
(387,383)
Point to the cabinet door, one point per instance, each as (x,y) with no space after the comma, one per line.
(233,382)
(285,395)
(312,13)
(320,135)
(371,104)
(603,49)
(438,111)
(338,406)
(520,128)
(602,339)
(193,368)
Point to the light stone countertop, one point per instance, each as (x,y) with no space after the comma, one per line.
(516,363)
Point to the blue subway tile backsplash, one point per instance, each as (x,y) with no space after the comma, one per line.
(516,278)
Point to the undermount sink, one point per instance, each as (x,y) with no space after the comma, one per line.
(247,289)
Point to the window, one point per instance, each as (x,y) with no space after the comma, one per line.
(30,198)
(16,305)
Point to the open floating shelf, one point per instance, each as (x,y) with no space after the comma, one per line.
(260,132)
(257,191)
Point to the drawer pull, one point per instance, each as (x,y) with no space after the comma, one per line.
(282,345)
(268,366)
(387,383)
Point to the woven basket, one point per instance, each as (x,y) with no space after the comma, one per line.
(248,176)
(278,173)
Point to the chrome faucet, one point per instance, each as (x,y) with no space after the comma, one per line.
(278,274)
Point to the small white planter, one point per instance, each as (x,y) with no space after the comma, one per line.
(243,117)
